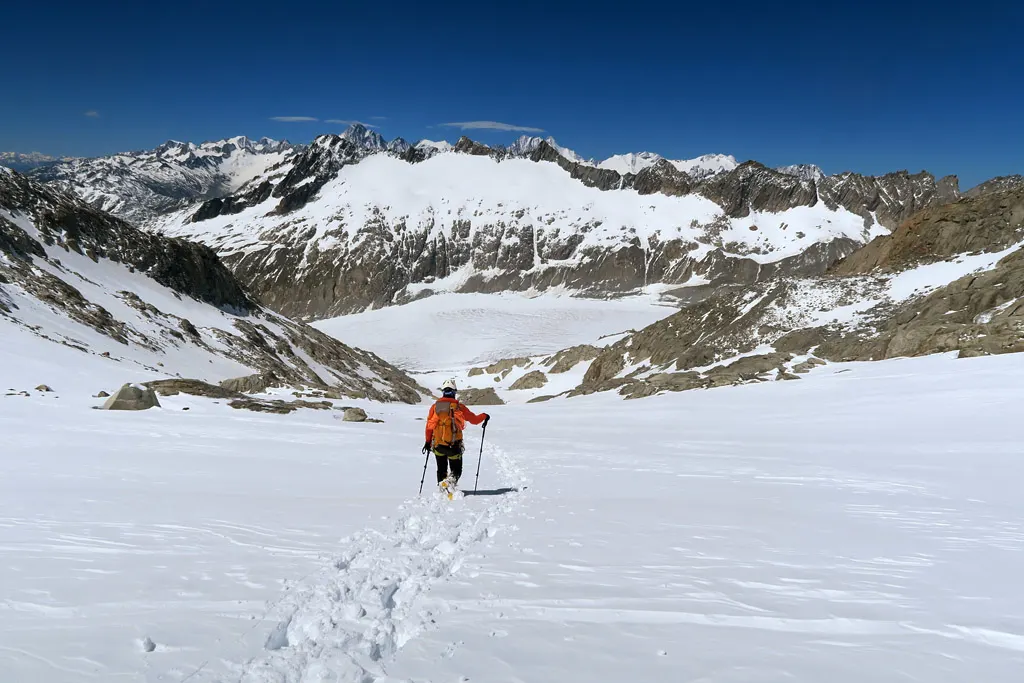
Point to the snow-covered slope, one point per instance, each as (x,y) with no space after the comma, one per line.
(140,185)
(146,307)
(755,533)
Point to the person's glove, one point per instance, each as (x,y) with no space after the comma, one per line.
(426,447)
(487,418)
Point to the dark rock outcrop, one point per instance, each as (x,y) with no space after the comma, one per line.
(531,380)
(567,359)
(132,397)
(480,397)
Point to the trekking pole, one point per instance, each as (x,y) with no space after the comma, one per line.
(481,457)
(424,478)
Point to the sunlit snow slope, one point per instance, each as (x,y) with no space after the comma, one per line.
(862,524)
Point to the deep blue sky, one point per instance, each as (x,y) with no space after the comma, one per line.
(868,86)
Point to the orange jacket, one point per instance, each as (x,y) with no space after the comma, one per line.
(462,414)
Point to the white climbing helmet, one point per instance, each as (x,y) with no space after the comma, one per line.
(449,384)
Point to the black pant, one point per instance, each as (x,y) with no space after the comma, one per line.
(449,457)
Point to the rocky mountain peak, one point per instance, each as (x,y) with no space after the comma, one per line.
(803,171)
(363,137)
(399,146)
(526,145)
(466,145)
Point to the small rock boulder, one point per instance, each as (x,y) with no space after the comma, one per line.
(132,397)
(354,415)
(102,394)
(251,384)
(531,380)
(44,388)
(480,397)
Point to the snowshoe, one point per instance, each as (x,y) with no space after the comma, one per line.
(449,487)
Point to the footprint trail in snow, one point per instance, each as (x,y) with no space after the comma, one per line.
(352,620)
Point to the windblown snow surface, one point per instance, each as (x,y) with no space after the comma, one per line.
(863,524)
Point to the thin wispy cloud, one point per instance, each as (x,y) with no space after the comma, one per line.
(345,122)
(491,125)
(379,118)
(92,114)
(293,119)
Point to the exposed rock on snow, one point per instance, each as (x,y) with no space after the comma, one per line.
(193,387)
(501,367)
(566,360)
(808,365)
(252,384)
(354,415)
(277,406)
(531,380)
(480,397)
(132,397)
(44,388)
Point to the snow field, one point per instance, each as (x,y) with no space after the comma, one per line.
(860,524)
(454,332)
(196,534)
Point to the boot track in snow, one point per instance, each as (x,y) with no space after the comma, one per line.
(347,625)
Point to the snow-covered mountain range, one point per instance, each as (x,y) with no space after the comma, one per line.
(140,185)
(354,221)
